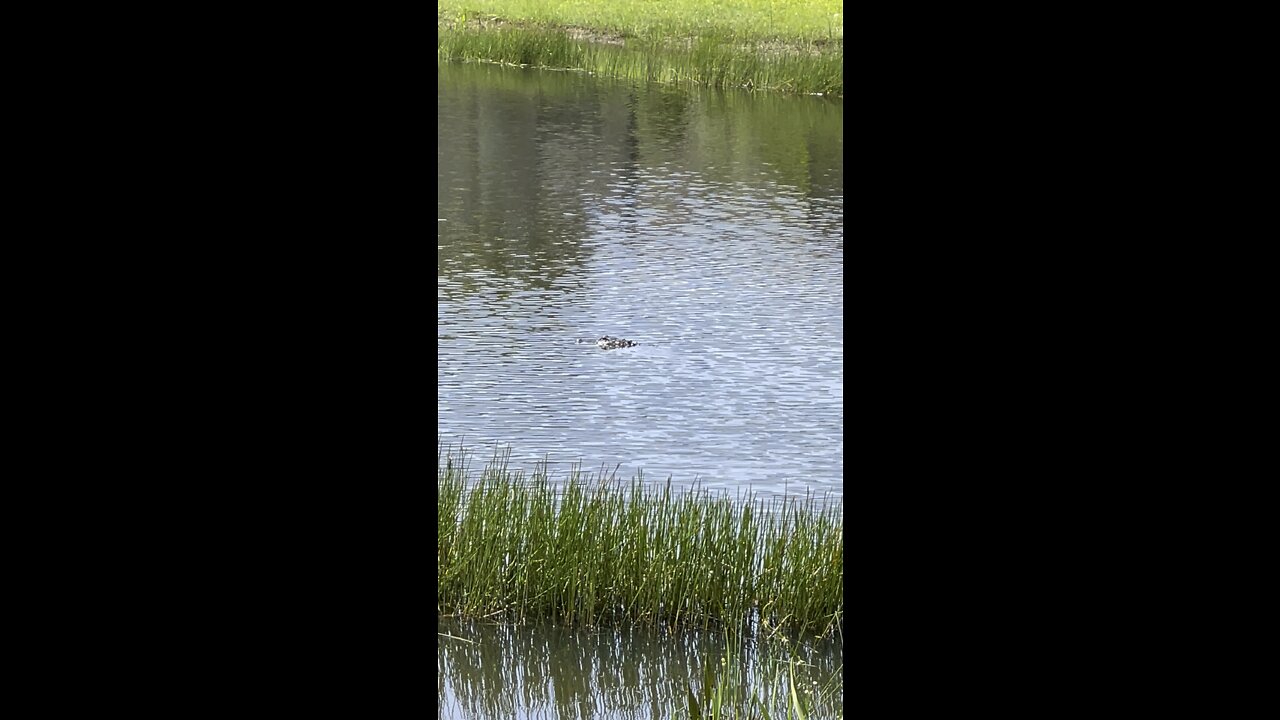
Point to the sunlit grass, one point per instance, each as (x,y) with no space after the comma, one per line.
(787,20)
(758,44)
(590,550)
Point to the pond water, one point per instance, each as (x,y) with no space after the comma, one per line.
(706,226)
(543,671)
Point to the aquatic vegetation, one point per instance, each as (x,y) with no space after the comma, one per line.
(790,45)
(772,691)
(596,549)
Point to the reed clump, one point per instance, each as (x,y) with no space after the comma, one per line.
(597,549)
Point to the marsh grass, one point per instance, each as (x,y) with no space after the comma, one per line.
(757,44)
(598,549)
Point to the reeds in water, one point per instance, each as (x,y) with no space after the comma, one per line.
(591,550)
(775,689)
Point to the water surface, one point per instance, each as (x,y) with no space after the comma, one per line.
(636,673)
(706,226)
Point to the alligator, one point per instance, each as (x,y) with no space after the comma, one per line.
(611,343)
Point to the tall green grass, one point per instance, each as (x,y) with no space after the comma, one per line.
(785,45)
(596,549)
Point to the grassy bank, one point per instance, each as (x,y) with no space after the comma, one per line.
(588,550)
(789,45)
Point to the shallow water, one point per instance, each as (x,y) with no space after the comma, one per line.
(543,671)
(708,227)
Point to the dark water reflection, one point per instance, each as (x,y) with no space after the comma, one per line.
(542,671)
(706,226)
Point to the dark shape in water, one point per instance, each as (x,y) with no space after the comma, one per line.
(612,343)
(608,342)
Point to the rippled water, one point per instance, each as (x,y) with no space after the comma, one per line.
(706,227)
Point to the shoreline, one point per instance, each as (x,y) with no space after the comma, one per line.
(678,46)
